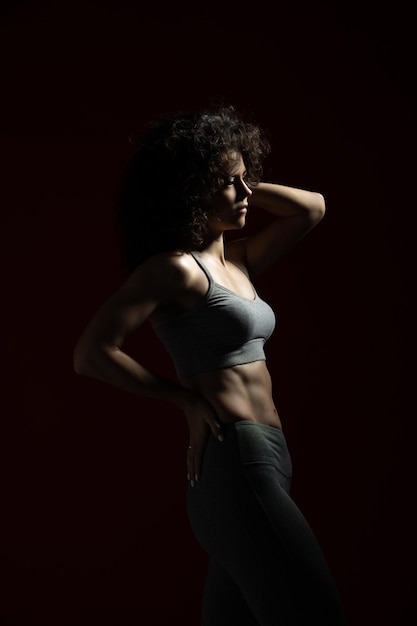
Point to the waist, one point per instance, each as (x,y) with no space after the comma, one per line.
(243,392)
(271,420)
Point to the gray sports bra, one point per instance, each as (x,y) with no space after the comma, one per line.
(223,330)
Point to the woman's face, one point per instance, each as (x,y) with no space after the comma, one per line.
(230,203)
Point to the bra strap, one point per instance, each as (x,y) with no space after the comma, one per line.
(203,267)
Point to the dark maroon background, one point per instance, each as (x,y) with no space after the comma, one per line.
(94,530)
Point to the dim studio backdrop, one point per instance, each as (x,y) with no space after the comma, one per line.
(94,529)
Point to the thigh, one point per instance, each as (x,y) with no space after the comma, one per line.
(223,602)
(243,517)
(293,554)
(233,529)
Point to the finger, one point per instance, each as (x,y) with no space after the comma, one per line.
(190,465)
(194,462)
(216,430)
(197,465)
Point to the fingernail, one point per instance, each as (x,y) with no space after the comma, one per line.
(188,477)
(196,478)
(192,483)
(220,437)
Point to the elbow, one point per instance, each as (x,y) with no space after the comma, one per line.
(318,207)
(82,359)
(90,357)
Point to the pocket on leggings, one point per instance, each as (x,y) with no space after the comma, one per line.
(262,444)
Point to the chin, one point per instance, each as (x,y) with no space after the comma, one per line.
(237,225)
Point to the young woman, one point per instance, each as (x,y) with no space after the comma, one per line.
(191,179)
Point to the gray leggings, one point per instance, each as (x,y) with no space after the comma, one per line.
(265,565)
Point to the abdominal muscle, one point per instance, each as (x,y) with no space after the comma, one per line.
(242,392)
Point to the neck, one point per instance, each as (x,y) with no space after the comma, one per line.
(214,247)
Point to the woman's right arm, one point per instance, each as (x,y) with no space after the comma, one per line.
(99,354)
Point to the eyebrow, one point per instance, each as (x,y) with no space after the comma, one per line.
(236,172)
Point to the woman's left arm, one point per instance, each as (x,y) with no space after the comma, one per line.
(296,212)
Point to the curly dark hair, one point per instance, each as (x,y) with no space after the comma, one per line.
(165,194)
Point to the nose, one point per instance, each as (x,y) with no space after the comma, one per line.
(244,190)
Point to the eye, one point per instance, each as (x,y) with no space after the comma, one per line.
(231,180)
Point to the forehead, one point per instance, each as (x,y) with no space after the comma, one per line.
(234,163)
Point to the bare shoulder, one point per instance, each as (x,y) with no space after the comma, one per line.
(162,275)
(154,285)
(171,282)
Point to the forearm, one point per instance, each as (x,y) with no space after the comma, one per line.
(113,366)
(287,201)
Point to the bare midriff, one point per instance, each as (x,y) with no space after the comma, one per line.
(242,392)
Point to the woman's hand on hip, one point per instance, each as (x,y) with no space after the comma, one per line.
(201,419)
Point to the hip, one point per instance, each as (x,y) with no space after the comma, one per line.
(248,445)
